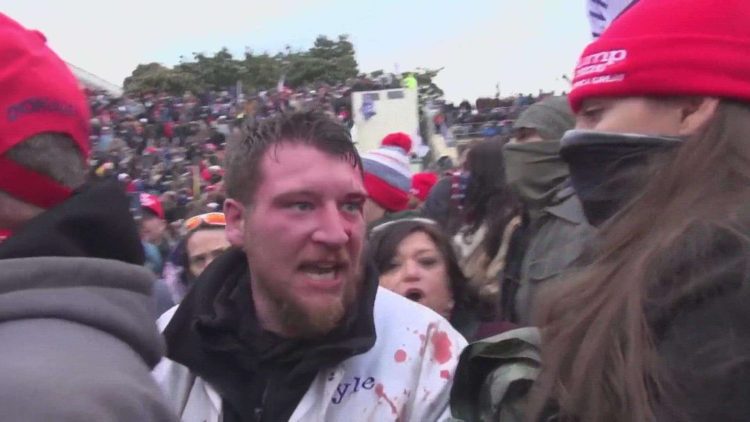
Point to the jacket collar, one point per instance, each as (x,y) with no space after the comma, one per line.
(94,222)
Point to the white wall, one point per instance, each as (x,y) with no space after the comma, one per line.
(393,114)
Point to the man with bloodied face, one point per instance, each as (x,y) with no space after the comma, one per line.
(289,324)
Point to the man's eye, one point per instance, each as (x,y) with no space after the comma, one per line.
(302,206)
(353,207)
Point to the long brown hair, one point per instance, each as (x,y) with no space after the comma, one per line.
(489,200)
(681,240)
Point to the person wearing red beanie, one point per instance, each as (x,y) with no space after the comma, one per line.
(657,326)
(153,230)
(387,177)
(77,331)
(40,97)
(421,185)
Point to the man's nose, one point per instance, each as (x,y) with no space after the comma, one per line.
(332,227)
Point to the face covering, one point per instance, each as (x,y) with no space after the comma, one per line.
(533,170)
(606,168)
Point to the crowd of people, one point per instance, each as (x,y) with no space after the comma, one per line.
(168,150)
(211,258)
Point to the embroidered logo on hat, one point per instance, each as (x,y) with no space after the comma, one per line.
(669,48)
(599,62)
(40,105)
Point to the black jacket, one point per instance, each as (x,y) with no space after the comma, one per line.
(95,222)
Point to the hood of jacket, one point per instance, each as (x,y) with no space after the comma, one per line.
(111,296)
(94,222)
(81,261)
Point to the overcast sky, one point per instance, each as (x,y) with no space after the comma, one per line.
(524,45)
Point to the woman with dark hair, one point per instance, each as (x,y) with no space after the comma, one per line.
(486,199)
(476,207)
(416,260)
(657,327)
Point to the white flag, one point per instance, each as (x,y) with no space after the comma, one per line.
(603,12)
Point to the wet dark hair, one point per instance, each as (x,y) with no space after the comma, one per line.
(313,128)
(385,239)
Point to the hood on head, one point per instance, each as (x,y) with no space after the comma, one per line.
(551,118)
(95,222)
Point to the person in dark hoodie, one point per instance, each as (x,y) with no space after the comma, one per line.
(289,324)
(555,230)
(77,337)
(495,374)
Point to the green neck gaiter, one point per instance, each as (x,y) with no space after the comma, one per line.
(533,170)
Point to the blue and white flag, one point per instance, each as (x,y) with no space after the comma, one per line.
(603,12)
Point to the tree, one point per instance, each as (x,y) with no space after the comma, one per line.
(260,72)
(216,72)
(336,57)
(156,77)
(329,61)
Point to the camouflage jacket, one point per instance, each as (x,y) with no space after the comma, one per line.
(494,376)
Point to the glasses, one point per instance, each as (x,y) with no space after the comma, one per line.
(208,219)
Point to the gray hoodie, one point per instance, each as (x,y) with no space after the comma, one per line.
(77,340)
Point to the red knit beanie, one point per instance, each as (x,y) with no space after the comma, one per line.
(387,173)
(669,47)
(38,94)
(422,183)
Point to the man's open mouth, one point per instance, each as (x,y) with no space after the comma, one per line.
(322,271)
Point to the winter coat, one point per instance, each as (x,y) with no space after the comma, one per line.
(77,335)
(494,376)
(556,240)
(482,271)
(702,344)
(406,376)
(438,204)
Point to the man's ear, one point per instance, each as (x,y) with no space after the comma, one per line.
(697,112)
(235,214)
